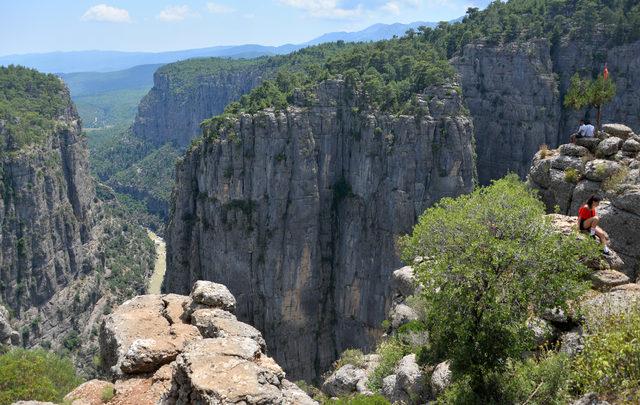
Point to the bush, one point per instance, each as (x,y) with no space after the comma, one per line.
(107,394)
(613,182)
(359,400)
(35,375)
(390,351)
(480,291)
(543,381)
(610,361)
(571,175)
(350,356)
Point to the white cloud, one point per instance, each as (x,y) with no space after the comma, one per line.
(103,12)
(391,7)
(174,13)
(217,8)
(325,8)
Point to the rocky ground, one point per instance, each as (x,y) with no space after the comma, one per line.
(176,349)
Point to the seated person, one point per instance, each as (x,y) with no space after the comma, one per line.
(588,221)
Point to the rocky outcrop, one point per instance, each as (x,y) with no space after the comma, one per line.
(608,166)
(297,212)
(157,352)
(174,108)
(515,95)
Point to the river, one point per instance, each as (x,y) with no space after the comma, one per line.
(161,263)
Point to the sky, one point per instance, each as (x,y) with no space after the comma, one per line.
(30,26)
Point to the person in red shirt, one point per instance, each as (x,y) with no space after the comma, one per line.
(588,221)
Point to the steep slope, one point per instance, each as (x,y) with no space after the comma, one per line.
(63,254)
(297,212)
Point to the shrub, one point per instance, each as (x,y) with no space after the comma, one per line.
(610,361)
(35,375)
(390,351)
(359,400)
(571,175)
(613,182)
(350,356)
(480,290)
(107,394)
(544,151)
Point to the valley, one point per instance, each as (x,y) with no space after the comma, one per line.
(381,217)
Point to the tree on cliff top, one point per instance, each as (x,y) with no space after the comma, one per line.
(495,260)
(590,93)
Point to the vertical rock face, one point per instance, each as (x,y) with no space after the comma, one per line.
(515,95)
(58,242)
(169,113)
(513,98)
(46,213)
(297,213)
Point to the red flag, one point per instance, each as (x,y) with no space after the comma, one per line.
(606,72)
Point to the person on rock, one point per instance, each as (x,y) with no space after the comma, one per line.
(588,221)
(585,130)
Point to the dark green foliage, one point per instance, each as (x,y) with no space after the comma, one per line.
(71,341)
(30,104)
(107,109)
(341,190)
(388,72)
(152,175)
(610,361)
(114,150)
(617,21)
(483,288)
(359,399)
(35,375)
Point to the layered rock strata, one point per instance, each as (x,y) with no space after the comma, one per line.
(175,349)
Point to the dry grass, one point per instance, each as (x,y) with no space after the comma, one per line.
(616,180)
(545,151)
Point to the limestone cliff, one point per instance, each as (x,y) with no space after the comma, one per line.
(297,212)
(607,165)
(54,269)
(174,108)
(515,92)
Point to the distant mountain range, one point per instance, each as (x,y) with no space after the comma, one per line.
(108,61)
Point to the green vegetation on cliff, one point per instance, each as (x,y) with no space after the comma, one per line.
(389,73)
(614,21)
(35,375)
(30,104)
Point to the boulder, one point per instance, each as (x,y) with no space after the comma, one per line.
(610,303)
(617,130)
(589,399)
(567,162)
(404,281)
(631,146)
(542,330)
(410,377)
(570,149)
(634,287)
(343,381)
(589,143)
(392,390)
(226,370)
(137,338)
(214,322)
(609,147)
(556,315)
(581,193)
(600,169)
(540,172)
(401,314)
(440,379)
(213,295)
(88,393)
(604,280)
(572,342)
